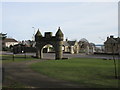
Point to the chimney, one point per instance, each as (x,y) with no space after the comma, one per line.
(66,39)
(111,36)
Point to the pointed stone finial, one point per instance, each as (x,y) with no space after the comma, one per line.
(38,33)
(58,27)
(59,33)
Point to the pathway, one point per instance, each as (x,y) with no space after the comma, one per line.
(20,72)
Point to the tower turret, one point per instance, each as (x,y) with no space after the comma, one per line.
(38,35)
(59,34)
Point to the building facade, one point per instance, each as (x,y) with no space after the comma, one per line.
(112,45)
(10,42)
(71,47)
(86,47)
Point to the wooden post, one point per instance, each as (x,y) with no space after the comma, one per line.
(113,44)
(13,57)
(13,53)
(25,51)
(3,74)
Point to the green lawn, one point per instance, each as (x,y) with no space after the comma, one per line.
(17,58)
(91,73)
(10,83)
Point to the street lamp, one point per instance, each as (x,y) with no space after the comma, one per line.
(33,37)
(113,45)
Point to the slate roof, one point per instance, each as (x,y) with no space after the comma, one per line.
(28,43)
(92,44)
(111,40)
(84,40)
(10,40)
(65,43)
(71,43)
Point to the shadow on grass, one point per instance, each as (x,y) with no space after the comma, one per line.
(16,57)
(9,58)
(110,77)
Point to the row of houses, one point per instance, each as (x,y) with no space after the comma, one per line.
(83,46)
(68,46)
(111,45)
(8,42)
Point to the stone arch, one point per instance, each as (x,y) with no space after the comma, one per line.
(40,49)
(48,48)
(56,41)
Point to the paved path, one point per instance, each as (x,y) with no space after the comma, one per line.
(20,72)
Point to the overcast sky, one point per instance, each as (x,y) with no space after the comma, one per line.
(91,20)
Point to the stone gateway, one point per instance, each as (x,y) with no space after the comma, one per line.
(56,41)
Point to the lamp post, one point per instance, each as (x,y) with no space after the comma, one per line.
(13,52)
(25,51)
(33,37)
(113,44)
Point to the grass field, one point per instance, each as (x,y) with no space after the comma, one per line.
(90,73)
(9,82)
(17,58)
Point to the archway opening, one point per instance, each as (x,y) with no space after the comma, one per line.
(48,51)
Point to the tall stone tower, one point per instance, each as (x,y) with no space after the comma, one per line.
(56,41)
(59,43)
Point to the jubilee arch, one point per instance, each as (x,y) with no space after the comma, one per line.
(56,41)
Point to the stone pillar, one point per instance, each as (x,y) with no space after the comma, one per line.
(59,52)
(77,50)
(38,53)
(71,49)
(87,50)
(41,53)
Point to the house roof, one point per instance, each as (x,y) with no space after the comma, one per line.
(84,40)
(65,43)
(28,43)
(19,45)
(71,43)
(111,40)
(92,44)
(10,40)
